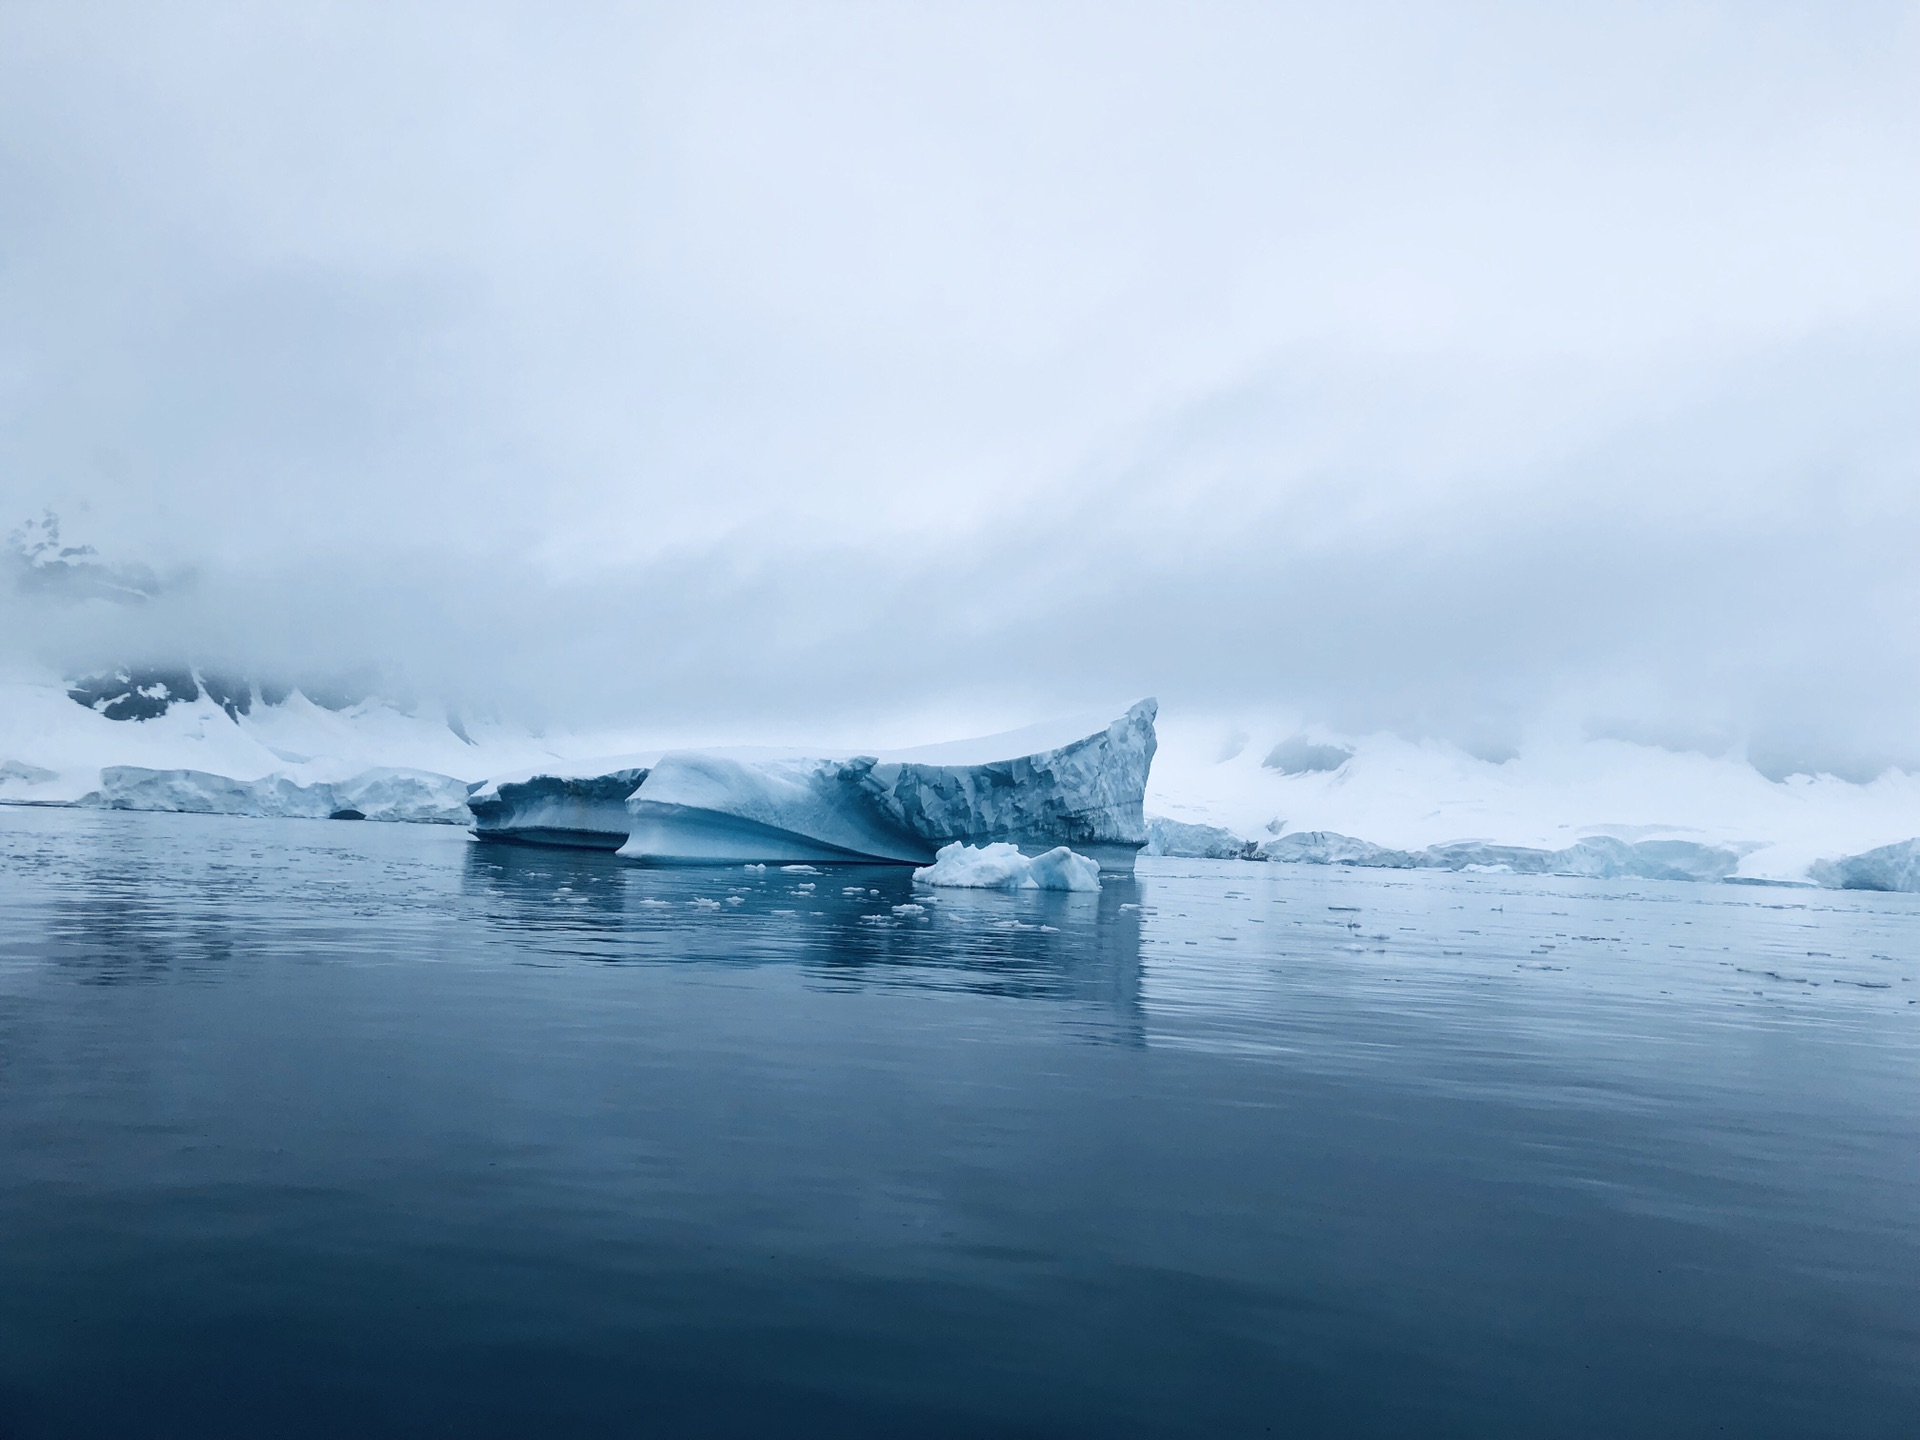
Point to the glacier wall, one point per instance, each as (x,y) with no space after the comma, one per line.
(416,796)
(1886,867)
(1195,842)
(1598,856)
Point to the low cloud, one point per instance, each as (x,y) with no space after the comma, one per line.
(1463,374)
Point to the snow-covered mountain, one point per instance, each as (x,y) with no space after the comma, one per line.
(58,738)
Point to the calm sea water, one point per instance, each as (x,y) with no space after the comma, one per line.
(319,1129)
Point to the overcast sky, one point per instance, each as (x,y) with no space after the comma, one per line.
(1462,369)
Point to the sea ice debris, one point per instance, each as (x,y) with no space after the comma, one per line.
(1001,866)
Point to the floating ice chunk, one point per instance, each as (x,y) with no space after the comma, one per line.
(991,867)
(1001,866)
(1063,869)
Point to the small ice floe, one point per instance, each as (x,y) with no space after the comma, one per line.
(701,902)
(798,869)
(806,889)
(735,900)
(909,909)
(855,890)
(752,866)
(783,912)
(1001,866)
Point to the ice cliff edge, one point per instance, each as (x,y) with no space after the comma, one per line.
(584,806)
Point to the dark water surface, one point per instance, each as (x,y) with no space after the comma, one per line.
(319,1129)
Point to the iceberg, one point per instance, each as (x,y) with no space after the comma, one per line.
(586,809)
(697,807)
(1886,867)
(416,796)
(1001,866)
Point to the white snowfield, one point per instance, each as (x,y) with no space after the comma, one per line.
(1001,866)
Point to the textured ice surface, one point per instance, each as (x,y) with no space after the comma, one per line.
(586,809)
(383,794)
(1888,867)
(700,808)
(1001,866)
